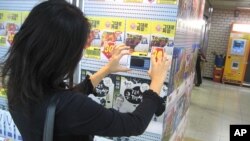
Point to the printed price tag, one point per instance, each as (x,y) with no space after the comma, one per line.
(107,50)
(92,52)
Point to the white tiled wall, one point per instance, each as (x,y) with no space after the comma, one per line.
(219,34)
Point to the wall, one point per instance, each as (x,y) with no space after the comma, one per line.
(219,34)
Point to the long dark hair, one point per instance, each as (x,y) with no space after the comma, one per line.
(45,52)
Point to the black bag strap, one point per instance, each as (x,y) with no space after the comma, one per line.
(48,130)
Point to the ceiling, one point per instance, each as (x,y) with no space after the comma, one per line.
(229,4)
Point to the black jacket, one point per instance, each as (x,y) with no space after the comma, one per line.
(79,118)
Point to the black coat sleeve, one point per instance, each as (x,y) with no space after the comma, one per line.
(79,115)
(85,87)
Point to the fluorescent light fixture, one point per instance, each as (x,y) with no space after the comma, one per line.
(210,9)
(243,8)
(241,28)
(77,3)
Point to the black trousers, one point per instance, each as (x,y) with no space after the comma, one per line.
(198,70)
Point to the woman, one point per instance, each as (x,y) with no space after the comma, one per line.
(44,54)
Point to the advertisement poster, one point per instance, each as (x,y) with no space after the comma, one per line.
(130,96)
(13,24)
(106,33)
(112,34)
(3,92)
(166,1)
(175,111)
(104,90)
(9,125)
(2,122)
(179,64)
(162,34)
(138,36)
(169,122)
(191,59)
(2,24)
(93,45)
(24,15)
(3,41)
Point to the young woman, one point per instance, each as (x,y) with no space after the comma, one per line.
(44,54)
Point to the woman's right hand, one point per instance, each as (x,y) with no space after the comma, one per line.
(158,71)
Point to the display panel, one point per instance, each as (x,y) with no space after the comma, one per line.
(235,65)
(238,47)
(140,62)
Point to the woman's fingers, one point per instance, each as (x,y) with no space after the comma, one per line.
(152,58)
(123,69)
(119,48)
(123,52)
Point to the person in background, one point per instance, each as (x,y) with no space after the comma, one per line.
(200,58)
(45,53)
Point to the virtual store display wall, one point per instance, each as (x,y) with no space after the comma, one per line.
(172,27)
(145,26)
(10,23)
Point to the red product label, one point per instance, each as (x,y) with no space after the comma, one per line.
(108,47)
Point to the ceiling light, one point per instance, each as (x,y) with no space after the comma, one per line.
(241,28)
(243,8)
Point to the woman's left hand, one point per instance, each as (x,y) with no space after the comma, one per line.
(118,52)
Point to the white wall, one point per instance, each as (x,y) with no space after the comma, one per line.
(219,34)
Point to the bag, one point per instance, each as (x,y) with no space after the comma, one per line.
(48,130)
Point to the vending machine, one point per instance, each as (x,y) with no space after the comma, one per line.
(237,55)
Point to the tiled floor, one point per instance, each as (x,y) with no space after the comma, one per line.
(213,108)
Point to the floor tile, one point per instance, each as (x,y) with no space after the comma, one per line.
(214,107)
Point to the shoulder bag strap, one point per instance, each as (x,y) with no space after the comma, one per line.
(48,130)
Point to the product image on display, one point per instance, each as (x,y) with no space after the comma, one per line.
(111,37)
(169,122)
(3,40)
(174,115)
(134,1)
(106,33)
(95,35)
(3,92)
(10,22)
(104,90)
(112,33)
(167,1)
(157,52)
(133,40)
(190,61)
(2,24)
(179,66)
(94,39)
(158,41)
(13,23)
(137,36)
(2,123)
(162,34)
(130,96)
(93,45)
(238,47)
